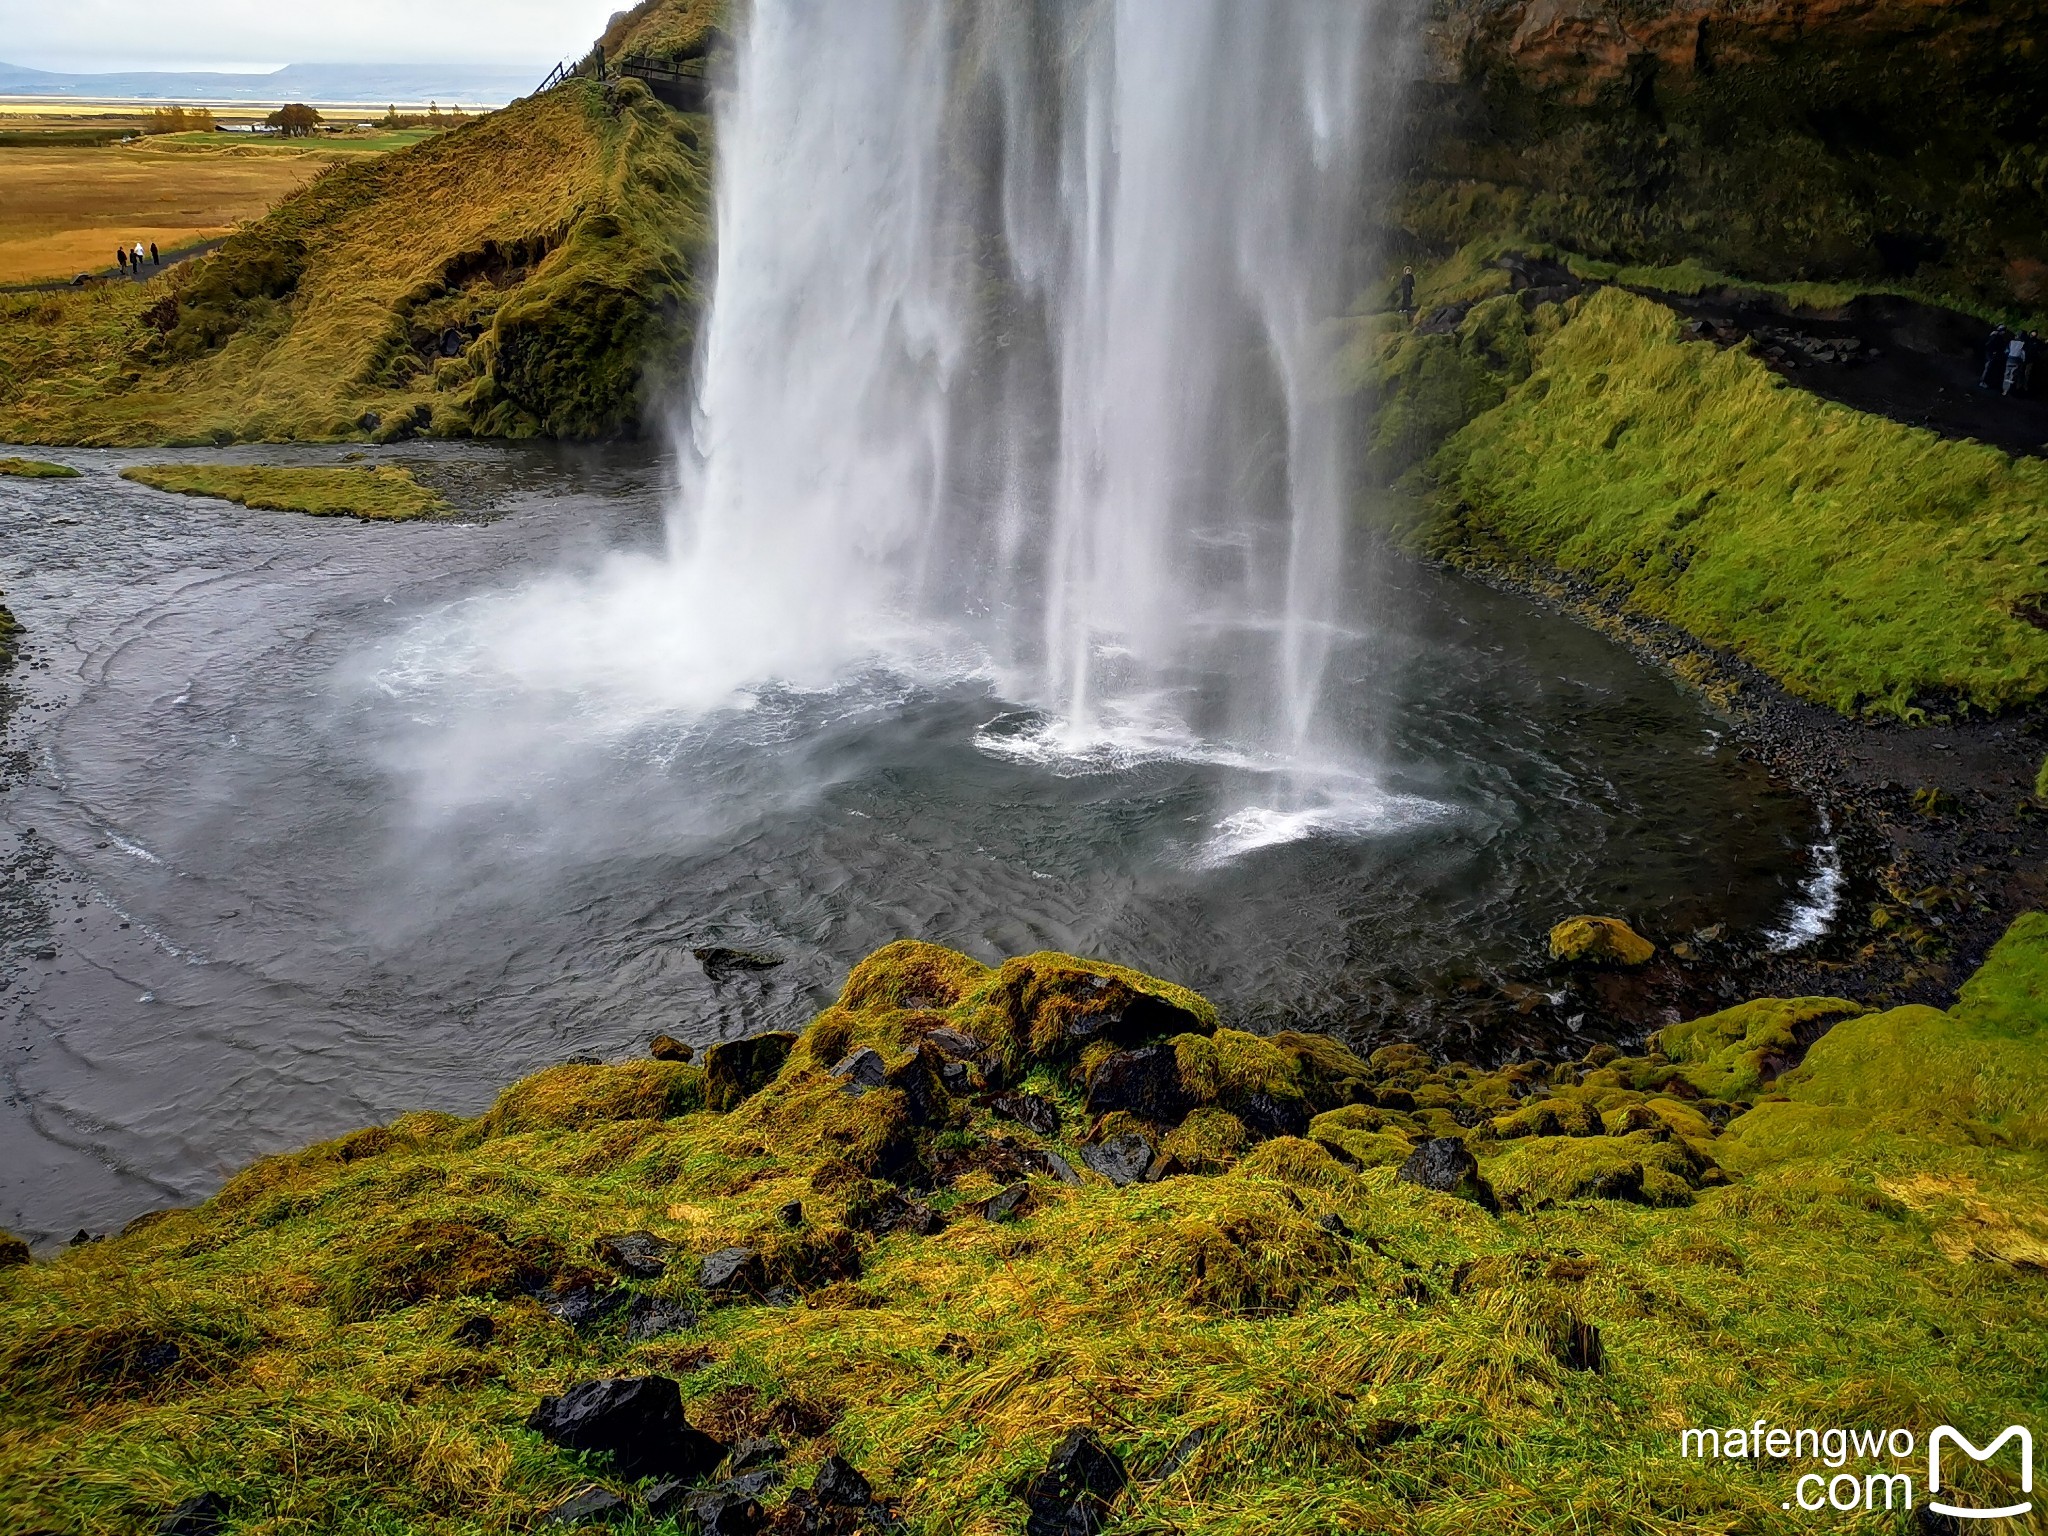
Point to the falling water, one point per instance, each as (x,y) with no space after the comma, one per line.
(1019,349)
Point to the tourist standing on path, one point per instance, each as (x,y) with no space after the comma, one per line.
(155,260)
(1994,357)
(2016,366)
(121,255)
(137,258)
(1407,290)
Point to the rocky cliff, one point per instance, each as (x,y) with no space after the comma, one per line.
(1840,138)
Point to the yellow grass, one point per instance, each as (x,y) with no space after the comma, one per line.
(64,209)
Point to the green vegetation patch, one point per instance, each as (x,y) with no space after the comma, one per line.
(382,494)
(350,1338)
(1869,566)
(36,469)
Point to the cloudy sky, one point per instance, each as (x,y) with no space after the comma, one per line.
(93,35)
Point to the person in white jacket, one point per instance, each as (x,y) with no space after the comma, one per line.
(2015,365)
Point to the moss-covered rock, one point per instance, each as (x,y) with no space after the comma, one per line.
(1734,1054)
(1599,941)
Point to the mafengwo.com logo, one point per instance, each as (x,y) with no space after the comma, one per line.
(1851,1471)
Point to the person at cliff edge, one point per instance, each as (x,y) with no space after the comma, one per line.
(1407,290)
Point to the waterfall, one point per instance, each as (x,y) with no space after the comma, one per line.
(1018,349)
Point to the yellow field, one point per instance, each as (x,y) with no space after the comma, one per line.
(64,208)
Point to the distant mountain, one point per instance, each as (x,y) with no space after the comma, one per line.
(469,85)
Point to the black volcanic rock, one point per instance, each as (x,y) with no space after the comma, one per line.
(736,1070)
(1072,1496)
(203,1515)
(1446,1165)
(641,1255)
(1121,1159)
(1146,1082)
(637,1421)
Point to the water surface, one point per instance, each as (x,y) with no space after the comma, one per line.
(285,853)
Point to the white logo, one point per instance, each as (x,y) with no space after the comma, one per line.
(2010,1511)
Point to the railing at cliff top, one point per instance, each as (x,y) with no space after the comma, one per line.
(686,86)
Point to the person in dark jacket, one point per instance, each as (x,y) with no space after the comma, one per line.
(121,255)
(154,259)
(1407,290)
(1994,358)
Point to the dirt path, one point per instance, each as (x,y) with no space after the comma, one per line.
(113,274)
(1890,356)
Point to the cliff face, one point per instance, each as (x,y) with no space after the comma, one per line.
(1777,140)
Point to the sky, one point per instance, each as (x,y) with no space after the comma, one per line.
(92,36)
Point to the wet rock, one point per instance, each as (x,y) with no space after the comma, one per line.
(1267,1116)
(725,1510)
(669,1048)
(204,1515)
(1073,1495)
(653,1317)
(1446,1165)
(862,1070)
(1121,1159)
(838,1483)
(1599,941)
(474,1332)
(1335,1225)
(954,1077)
(780,1296)
(1145,1082)
(1004,1203)
(792,1214)
(451,342)
(591,1506)
(760,1451)
(731,1271)
(894,1212)
(719,963)
(736,1070)
(1028,1110)
(641,1255)
(637,1421)
(586,1306)
(954,1043)
(1059,1167)
(369,421)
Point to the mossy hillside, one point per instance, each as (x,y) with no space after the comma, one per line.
(549,248)
(382,494)
(1328,1348)
(36,469)
(1863,564)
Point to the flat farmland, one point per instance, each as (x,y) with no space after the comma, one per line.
(65,207)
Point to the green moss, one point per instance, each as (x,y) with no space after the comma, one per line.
(1866,565)
(10,637)
(1551,1170)
(36,469)
(432,1259)
(567,1097)
(383,494)
(1734,1053)
(1208,1141)
(2041,781)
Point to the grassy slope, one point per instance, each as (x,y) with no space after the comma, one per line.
(383,494)
(555,237)
(1880,1258)
(1867,565)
